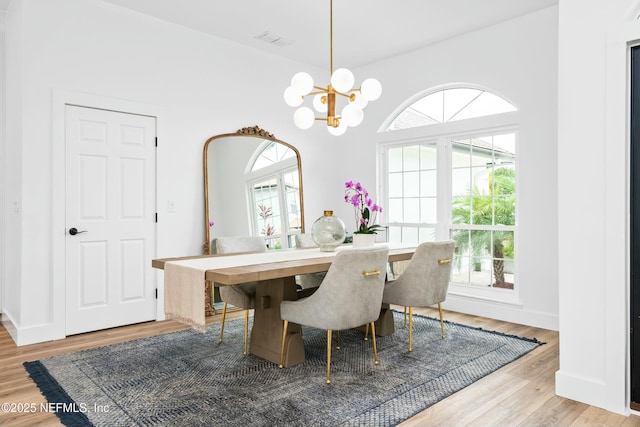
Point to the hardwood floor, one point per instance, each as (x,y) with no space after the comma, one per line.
(519,394)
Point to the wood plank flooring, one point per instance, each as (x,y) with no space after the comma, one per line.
(520,394)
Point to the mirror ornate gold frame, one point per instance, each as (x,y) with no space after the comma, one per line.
(233,152)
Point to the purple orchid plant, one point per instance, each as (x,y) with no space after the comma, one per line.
(366,210)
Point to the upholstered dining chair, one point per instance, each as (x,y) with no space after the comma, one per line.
(349,296)
(244,294)
(308,282)
(424,282)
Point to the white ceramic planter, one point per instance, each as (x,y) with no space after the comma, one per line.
(364,240)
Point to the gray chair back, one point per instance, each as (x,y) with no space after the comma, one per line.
(312,280)
(425,281)
(241,295)
(305,240)
(238,244)
(349,296)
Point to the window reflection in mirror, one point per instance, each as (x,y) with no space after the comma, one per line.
(253,186)
(274,191)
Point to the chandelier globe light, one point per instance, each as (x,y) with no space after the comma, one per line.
(341,84)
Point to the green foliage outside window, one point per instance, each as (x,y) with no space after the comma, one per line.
(494,205)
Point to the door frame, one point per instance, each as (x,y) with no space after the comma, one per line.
(616,392)
(62,98)
(634,224)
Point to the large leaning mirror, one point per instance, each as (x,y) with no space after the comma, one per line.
(252,186)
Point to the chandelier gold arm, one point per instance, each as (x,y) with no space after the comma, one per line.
(351,95)
(336,120)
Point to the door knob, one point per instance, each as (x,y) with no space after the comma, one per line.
(73,231)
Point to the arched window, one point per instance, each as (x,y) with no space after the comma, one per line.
(448,105)
(455,180)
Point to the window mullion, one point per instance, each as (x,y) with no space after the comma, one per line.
(444,189)
(284,211)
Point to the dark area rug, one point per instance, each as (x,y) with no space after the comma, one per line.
(187,379)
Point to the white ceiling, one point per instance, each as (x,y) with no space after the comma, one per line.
(364,31)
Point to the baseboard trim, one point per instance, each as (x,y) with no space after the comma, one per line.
(589,391)
(32,334)
(9,325)
(500,311)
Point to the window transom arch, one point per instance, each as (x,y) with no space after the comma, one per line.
(447,104)
(269,154)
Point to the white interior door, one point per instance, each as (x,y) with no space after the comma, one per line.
(110,202)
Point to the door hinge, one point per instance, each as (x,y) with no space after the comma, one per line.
(156,216)
(156,141)
(156,293)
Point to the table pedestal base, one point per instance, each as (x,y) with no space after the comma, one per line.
(384,324)
(266,334)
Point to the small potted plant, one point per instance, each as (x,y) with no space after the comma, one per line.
(366,212)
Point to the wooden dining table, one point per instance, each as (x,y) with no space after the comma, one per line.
(275,272)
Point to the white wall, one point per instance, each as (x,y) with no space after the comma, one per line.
(593,193)
(203,86)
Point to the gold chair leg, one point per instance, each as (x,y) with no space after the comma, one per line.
(366,332)
(328,356)
(284,339)
(224,313)
(404,321)
(246,330)
(441,319)
(373,339)
(410,329)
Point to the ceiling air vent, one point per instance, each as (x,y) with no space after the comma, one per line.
(273,39)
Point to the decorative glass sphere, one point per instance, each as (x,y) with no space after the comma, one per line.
(292,97)
(328,232)
(302,83)
(318,105)
(359,101)
(371,89)
(352,115)
(304,117)
(342,80)
(341,129)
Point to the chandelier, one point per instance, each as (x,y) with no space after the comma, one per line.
(325,98)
